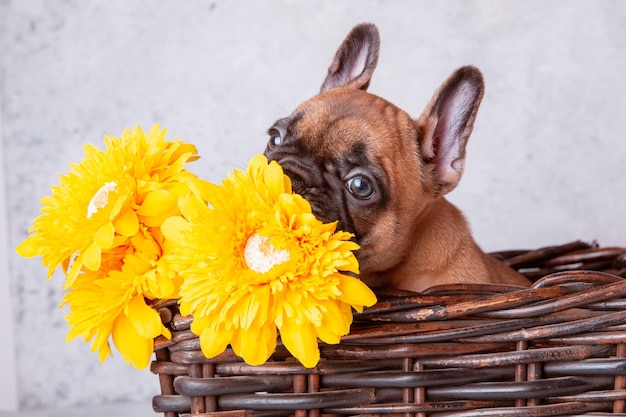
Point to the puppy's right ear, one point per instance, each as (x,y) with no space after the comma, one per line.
(355,60)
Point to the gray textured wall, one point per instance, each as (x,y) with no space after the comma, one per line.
(546,162)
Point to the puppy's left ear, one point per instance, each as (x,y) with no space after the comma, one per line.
(355,60)
(445,126)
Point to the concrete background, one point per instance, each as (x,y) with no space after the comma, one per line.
(546,162)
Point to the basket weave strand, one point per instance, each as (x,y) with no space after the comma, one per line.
(555,349)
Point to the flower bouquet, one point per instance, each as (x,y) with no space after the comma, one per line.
(130,228)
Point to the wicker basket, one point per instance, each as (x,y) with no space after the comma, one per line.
(556,349)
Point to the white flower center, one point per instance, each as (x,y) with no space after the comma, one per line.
(100,198)
(260,254)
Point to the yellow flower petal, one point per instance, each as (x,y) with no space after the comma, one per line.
(135,349)
(355,292)
(147,244)
(91,257)
(104,236)
(256,166)
(157,203)
(72,274)
(29,248)
(301,341)
(146,320)
(174,227)
(127,224)
(164,287)
(333,324)
(157,221)
(255,346)
(214,342)
(104,352)
(273,179)
(137,265)
(101,344)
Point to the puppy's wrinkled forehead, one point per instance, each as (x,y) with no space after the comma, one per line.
(338,122)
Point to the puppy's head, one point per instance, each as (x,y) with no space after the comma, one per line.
(361,161)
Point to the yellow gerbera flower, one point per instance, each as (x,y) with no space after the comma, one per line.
(102,226)
(100,203)
(256,261)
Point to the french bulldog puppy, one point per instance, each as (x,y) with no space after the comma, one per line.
(383,176)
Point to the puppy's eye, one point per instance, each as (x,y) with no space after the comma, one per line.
(360,187)
(275,140)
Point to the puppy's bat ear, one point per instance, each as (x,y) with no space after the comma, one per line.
(446,124)
(355,60)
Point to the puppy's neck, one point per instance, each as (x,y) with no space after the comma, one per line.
(442,251)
